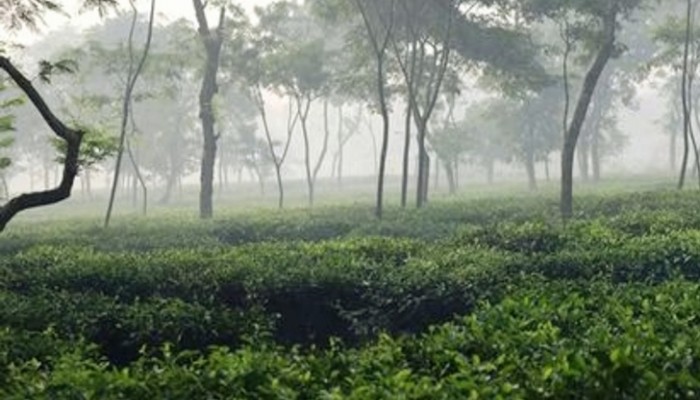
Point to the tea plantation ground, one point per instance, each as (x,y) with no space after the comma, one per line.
(463,300)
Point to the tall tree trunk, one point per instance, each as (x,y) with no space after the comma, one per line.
(691,130)
(379,208)
(423,162)
(406,156)
(451,177)
(531,171)
(380,45)
(132,78)
(579,117)
(138,179)
(213,42)
(436,181)
(341,144)
(426,183)
(324,149)
(684,95)
(595,134)
(303,108)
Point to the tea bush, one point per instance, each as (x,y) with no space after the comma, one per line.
(460,300)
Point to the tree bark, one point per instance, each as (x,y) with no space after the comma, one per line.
(73,139)
(213,42)
(590,82)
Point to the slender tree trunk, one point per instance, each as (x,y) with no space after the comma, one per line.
(326,137)
(303,111)
(341,145)
(684,95)
(132,78)
(589,85)
(406,156)
(138,178)
(450,172)
(426,182)
(213,42)
(531,171)
(691,130)
(379,209)
(436,181)
(422,167)
(380,45)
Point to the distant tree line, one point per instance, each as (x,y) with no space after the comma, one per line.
(475,83)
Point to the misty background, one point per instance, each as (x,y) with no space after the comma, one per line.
(643,149)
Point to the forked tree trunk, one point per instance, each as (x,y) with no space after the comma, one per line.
(132,77)
(380,45)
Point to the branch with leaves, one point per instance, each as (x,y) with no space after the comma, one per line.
(71,137)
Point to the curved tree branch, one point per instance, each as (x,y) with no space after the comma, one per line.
(72,138)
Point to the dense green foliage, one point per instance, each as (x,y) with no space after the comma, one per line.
(460,300)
